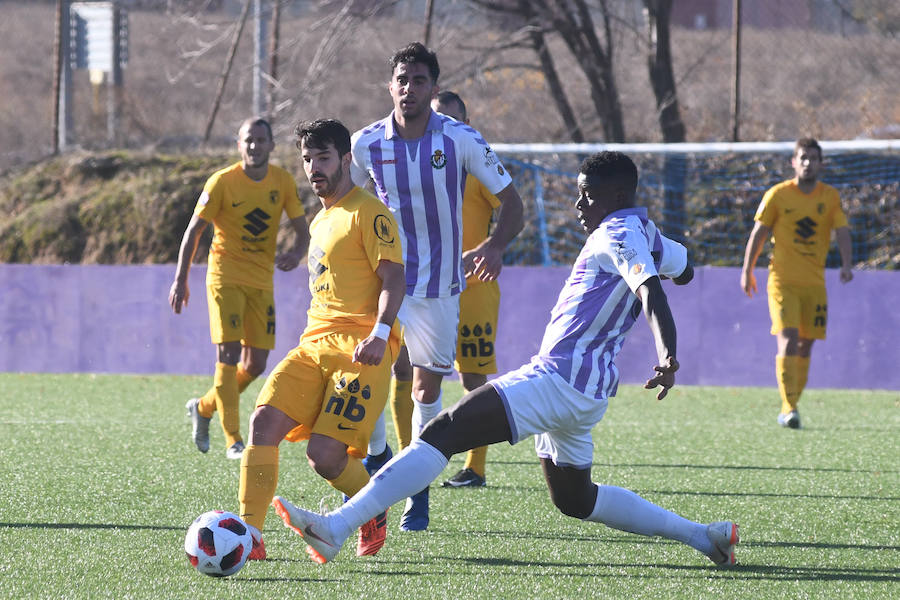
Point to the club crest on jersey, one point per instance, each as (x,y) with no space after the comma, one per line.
(383,229)
(821,208)
(273,196)
(438,160)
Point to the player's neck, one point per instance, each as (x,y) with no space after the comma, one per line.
(342,190)
(256,173)
(411,129)
(806,185)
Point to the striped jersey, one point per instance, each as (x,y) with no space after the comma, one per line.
(598,305)
(421,181)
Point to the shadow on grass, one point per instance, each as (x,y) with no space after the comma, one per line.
(740,571)
(90,526)
(787,468)
(637,539)
(730,494)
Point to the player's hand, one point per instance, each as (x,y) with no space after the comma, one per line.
(370,351)
(178,296)
(748,283)
(665,377)
(288,261)
(846,274)
(483,261)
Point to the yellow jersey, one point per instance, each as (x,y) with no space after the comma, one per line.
(801,227)
(347,240)
(245,215)
(478,206)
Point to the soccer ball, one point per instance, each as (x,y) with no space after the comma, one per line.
(218,543)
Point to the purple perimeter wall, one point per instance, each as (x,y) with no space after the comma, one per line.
(115,319)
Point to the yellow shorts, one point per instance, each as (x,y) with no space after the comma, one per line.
(319,386)
(239,312)
(802,307)
(479,307)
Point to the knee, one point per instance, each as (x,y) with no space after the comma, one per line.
(255,367)
(573,507)
(438,433)
(577,504)
(327,460)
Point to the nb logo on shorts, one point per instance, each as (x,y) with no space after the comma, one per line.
(345,402)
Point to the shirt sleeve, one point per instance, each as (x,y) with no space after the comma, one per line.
(358,168)
(481,161)
(839,218)
(767,213)
(674,258)
(380,235)
(210,201)
(632,258)
(293,207)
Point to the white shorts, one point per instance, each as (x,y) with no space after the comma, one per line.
(541,403)
(429,330)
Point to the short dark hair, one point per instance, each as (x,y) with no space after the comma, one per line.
(615,166)
(416,52)
(807,143)
(321,132)
(257,121)
(448,97)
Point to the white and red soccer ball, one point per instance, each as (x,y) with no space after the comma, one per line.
(218,543)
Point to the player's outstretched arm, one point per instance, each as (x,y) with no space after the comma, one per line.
(662,326)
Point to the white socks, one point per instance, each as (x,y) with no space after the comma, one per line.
(422,413)
(404,475)
(624,510)
(378,439)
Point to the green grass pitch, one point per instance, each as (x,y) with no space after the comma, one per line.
(99,481)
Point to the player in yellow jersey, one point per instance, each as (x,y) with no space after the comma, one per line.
(244,202)
(479,307)
(799,215)
(333,386)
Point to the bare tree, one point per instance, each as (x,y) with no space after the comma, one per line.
(572,21)
(659,64)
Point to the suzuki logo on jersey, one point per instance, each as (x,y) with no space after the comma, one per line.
(315,266)
(806,228)
(256,221)
(345,402)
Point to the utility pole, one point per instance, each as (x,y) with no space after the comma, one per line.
(736,70)
(260,26)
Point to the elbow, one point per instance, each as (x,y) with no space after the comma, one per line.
(686,276)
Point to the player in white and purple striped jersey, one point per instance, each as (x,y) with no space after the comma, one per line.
(418,161)
(562,393)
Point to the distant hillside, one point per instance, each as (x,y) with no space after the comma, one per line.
(108,208)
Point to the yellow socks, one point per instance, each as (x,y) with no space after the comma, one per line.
(227,401)
(476,459)
(402,410)
(259,476)
(787,373)
(352,479)
(207,405)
